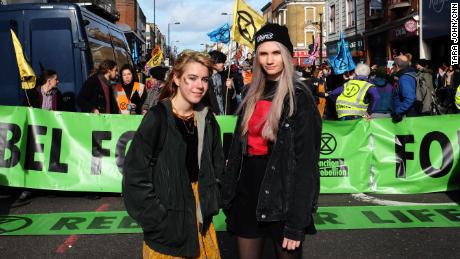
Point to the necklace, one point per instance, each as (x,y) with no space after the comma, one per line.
(186,120)
(184,117)
(188,123)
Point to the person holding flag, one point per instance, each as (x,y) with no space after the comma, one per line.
(45,95)
(221,96)
(271,182)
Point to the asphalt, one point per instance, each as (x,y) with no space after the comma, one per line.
(366,243)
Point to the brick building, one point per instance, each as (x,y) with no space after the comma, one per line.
(302,18)
(133,22)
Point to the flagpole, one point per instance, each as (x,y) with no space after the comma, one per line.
(230,45)
(27,97)
(235,8)
(228,75)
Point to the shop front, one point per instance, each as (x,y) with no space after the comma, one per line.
(299,57)
(436,31)
(355,45)
(404,39)
(390,40)
(377,50)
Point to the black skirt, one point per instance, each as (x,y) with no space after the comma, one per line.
(241,219)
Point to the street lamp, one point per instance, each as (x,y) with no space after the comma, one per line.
(169,34)
(175,48)
(154,31)
(205,45)
(229,20)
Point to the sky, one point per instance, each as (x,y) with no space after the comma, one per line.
(196,17)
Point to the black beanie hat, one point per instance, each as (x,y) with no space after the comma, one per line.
(158,73)
(217,57)
(422,62)
(274,32)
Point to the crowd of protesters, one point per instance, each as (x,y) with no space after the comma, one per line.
(406,89)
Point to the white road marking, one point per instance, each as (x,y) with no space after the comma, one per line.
(369,199)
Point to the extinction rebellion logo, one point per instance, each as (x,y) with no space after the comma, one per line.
(331,167)
(13,223)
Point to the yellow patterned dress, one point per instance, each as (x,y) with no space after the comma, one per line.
(209,248)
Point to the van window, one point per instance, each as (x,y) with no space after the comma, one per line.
(122,57)
(51,45)
(9,77)
(120,47)
(99,42)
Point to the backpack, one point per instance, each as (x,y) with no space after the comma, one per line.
(423,94)
(162,136)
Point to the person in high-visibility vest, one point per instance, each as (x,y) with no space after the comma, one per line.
(129,95)
(457,98)
(357,97)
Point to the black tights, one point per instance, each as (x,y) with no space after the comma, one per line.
(252,248)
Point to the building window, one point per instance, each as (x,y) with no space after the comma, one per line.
(332,19)
(285,16)
(309,37)
(350,13)
(375,7)
(282,16)
(310,15)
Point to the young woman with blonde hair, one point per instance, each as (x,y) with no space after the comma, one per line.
(171,171)
(271,181)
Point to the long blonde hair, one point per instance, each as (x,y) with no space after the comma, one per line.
(256,90)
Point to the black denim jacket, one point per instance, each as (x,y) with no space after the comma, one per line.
(290,188)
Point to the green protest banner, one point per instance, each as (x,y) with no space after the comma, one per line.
(345,157)
(227,124)
(417,155)
(85,152)
(63,150)
(10,135)
(327,218)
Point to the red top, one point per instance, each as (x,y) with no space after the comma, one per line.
(257,145)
